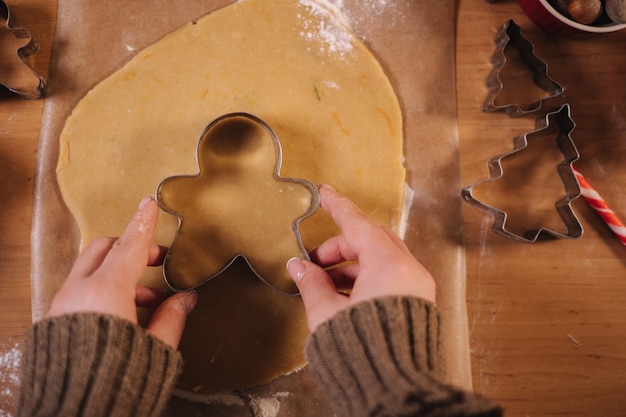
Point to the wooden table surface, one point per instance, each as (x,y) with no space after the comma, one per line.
(547,320)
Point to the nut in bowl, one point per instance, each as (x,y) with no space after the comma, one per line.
(558,17)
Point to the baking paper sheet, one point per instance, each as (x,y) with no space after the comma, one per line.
(414,41)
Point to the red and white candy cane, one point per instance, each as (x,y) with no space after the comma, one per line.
(596,202)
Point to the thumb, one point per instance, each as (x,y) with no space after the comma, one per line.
(319,294)
(168,321)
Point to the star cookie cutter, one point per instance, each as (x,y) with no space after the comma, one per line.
(510,34)
(22,53)
(562,119)
(234,154)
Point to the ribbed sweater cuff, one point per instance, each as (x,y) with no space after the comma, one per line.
(95,365)
(379,357)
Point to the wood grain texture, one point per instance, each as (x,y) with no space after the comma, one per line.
(547,320)
(19,135)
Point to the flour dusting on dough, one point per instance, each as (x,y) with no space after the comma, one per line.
(330,30)
(362,13)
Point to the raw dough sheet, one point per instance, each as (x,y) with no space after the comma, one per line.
(414,42)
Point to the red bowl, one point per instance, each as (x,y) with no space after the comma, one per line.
(544,15)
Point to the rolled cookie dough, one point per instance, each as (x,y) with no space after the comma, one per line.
(296,65)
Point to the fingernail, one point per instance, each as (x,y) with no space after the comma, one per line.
(146,200)
(191,298)
(296,269)
(329,187)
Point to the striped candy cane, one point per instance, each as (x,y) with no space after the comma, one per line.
(596,202)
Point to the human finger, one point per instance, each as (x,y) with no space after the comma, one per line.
(149,297)
(359,230)
(168,321)
(319,294)
(344,276)
(156,254)
(332,252)
(397,241)
(91,258)
(130,254)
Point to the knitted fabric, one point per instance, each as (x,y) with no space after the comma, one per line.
(89,364)
(379,358)
(375,359)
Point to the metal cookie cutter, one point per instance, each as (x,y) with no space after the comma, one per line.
(234,153)
(564,141)
(22,53)
(511,34)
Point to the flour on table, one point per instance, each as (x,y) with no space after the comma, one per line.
(267,406)
(10,359)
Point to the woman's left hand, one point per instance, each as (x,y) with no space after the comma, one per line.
(104,279)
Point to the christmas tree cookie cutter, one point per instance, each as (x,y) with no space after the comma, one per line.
(510,34)
(236,206)
(573,229)
(10,30)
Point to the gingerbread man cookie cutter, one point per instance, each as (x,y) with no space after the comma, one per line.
(228,147)
(7,81)
(573,228)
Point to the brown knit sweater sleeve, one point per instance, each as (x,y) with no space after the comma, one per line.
(89,364)
(379,358)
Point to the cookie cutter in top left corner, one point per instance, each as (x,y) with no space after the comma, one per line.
(22,53)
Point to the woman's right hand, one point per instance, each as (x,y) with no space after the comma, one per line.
(377,263)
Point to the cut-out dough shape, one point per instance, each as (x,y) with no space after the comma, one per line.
(237,205)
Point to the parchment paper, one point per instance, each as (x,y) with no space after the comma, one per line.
(414,41)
